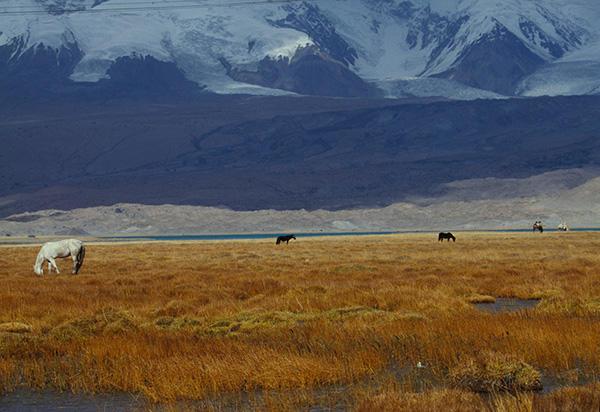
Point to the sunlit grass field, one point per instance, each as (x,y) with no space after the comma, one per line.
(333,322)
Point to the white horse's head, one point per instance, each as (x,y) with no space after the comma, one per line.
(38,270)
(39,261)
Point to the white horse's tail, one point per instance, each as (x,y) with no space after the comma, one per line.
(80,257)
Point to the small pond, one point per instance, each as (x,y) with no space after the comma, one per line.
(507,305)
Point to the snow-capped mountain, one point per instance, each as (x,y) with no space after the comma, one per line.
(456,48)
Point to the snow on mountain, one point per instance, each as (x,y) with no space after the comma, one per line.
(577,73)
(528,47)
(563,78)
(430,86)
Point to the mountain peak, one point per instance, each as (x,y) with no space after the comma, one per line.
(379,41)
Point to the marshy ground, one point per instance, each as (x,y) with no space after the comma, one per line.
(363,323)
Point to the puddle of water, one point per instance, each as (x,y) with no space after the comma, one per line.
(332,398)
(507,305)
(553,383)
(26,400)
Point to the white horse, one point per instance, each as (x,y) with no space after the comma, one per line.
(563,227)
(60,249)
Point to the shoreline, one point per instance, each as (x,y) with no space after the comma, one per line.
(257,237)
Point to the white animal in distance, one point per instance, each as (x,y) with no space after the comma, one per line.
(60,249)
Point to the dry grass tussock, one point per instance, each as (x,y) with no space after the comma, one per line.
(199,320)
(492,373)
(452,400)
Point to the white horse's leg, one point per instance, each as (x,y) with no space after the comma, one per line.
(54,264)
(49,267)
(74,257)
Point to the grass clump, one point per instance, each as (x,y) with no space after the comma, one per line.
(446,400)
(248,321)
(575,307)
(15,327)
(174,308)
(493,372)
(176,323)
(105,321)
(477,298)
(355,312)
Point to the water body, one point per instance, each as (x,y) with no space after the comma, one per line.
(258,236)
(507,305)
(252,236)
(29,401)
(330,398)
(255,236)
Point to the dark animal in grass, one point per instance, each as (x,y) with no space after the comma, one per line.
(285,239)
(447,236)
(538,226)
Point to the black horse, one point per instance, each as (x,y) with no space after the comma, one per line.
(446,235)
(538,226)
(285,239)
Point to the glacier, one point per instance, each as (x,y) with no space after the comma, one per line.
(418,47)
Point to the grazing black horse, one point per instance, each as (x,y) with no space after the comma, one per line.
(285,239)
(448,236)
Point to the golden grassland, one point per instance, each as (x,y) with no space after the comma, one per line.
(338,322)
